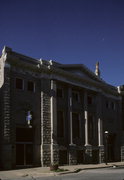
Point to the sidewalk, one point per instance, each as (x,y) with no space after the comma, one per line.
(45,171)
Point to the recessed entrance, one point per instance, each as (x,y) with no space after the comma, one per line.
(24,154)
(24,146)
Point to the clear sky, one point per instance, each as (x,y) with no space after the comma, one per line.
(67,31)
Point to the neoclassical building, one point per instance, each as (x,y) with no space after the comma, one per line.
(52,112)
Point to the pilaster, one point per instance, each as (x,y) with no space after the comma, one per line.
(86,119)
(101,154)
(70,114)
(88,154)
(54,145)
(100,129)
(6,126)
(45,123)
(72,154)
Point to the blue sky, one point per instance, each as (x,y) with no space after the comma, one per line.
(67,31)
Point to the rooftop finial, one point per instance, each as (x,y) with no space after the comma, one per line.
(97,71)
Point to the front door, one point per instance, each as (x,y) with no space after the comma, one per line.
(24,146)
(24,154)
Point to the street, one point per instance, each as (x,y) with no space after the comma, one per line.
(95,174)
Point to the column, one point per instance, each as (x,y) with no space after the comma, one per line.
(99,117)
(70,114)
(86,118)
(72,147)
(54,146)
(100,129)
(100,132)
(45,122)
(88,147)
(6,155)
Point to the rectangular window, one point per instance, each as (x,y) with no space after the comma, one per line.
(60,124)
(19,83)
(90,128)
(75,125)
(113,105)
(60,92)
(75,96)
(89,100)
(107,104)
(31,86)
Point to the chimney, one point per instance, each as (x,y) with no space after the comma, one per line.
(97,71)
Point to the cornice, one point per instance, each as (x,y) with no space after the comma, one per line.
(55,69)
(72,77)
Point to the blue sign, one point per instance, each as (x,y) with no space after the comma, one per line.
(29,117)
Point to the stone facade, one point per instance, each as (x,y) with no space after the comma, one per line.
(55,113)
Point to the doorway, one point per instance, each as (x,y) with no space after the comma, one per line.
(24,146)
(24,154)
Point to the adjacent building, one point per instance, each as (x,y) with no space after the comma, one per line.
(56,113)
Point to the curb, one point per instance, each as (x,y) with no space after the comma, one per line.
(79,170)
(74,171)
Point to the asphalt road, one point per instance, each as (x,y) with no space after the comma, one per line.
(96,174)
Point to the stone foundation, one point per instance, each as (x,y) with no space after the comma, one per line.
(72,155)
(45,155)
(55,153)
(101,154)
(88,154)
(122,153)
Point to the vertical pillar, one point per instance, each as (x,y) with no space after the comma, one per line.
(86,118)
(100,132)
(45,122)
(72,147)
(88,147)
(100,129)
(54,146)
(6,124)
(70,115)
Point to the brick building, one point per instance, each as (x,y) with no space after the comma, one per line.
(52,112)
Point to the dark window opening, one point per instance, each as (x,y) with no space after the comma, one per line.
(75,96)
(60,124)
(19,83)
(107,104)
(59,92)
(90,128)
(90,100)
(30,86)
(113,105)
(75,125)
